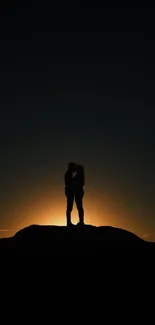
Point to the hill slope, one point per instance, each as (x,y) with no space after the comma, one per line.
(53,240)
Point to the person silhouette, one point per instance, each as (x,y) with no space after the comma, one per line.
(74,182)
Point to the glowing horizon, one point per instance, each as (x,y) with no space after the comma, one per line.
(99,211)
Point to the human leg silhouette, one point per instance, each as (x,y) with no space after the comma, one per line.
(70,201)
(79,204)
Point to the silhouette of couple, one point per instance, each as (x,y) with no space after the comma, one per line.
(74,182)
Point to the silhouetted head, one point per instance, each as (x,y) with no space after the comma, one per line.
(72,167)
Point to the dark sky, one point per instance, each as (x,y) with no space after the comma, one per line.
(77,83)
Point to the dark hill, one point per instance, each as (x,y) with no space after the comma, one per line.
(53,240)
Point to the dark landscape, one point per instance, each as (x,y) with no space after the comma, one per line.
(88,240)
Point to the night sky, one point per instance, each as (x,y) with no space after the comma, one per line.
(77,84)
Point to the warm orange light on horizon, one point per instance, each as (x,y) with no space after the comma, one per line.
(47,213)
(99,211)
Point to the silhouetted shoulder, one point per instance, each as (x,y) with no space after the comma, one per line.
(67,177)
(81,173)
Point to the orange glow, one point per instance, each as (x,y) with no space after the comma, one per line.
(96,213)
(51,210)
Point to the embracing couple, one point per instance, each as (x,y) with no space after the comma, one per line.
(74,182)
